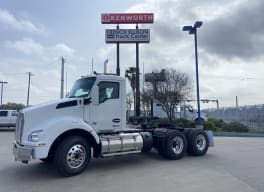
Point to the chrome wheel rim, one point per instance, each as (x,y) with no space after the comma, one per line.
(177,145)
(200,142)
(76,156)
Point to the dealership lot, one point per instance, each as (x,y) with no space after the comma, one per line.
(235,164)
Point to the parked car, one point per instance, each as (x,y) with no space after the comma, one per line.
(8,118)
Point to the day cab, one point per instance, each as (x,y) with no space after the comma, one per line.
(91,121)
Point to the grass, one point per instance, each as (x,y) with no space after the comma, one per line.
(251,132)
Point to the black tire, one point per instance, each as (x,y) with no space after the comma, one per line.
(198,142)
(175,146)
(162,152)
(72,156)
(48,159)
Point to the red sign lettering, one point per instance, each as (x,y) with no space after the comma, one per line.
(115,18)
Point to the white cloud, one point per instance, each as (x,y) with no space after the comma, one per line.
(10,20)
(221,77)
(30,47)
(43,61)
(26,46)
(63,49)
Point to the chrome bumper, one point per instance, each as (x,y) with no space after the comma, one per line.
(22,153)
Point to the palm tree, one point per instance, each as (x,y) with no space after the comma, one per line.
(131,76)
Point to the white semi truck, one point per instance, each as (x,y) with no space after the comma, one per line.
(91,121)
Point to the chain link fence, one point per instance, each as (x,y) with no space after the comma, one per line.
(251,116)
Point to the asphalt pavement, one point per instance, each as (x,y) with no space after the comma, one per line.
(234,164)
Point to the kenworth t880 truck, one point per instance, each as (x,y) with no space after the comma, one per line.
(91,121)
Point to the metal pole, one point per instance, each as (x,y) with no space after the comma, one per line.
(236,102)
(199,123)
(137,80)
(66,84)
(2,90)
(29,77)
(2,93)
(92,67)
(62,77)
(117,57)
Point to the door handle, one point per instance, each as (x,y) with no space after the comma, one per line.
(116,120)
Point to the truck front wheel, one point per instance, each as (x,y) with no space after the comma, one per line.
(72,156)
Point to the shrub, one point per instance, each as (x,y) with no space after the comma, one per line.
(209,125)
(137,120)
(219,124)
(235,127)
(183,123)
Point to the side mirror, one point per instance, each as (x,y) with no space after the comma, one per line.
(95,95)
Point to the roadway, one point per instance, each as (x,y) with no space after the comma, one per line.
(235,164)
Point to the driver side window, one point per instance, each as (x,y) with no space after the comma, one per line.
(108,90)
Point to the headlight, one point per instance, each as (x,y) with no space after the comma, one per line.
(34,136)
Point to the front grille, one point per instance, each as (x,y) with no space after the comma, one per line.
(19,127)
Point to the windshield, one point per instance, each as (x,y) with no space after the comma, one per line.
(81,87)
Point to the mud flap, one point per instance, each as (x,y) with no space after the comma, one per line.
(210,138)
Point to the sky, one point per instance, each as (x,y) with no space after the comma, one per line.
(34,35)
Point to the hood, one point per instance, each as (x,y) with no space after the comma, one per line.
(49,104)
(41,115)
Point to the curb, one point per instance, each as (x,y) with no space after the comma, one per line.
(238,135)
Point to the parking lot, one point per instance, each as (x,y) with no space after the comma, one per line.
(235,164)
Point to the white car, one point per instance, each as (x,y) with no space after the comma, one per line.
(8,118)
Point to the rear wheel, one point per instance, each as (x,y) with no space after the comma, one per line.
(198,142)
(175,146)
(72,156)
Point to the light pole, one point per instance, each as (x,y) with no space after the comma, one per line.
(193,30)
(2,86)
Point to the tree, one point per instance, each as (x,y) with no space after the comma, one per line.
(171,90)
(131,76)
(145,101)
(129,102)
(14,106)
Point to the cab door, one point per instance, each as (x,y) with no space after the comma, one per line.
(105,116)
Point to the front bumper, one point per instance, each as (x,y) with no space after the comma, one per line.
(22,153)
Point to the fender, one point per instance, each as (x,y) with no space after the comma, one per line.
(53,128)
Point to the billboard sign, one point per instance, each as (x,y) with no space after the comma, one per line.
(116,18)
(127,35)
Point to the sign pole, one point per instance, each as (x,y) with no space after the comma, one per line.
(137,80)
(117,56)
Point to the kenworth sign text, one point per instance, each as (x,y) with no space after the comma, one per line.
(115,18)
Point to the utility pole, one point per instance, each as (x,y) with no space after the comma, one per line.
(236,102)
(2,86)
(29,78)
(62,77)
(66,83)
(92,67)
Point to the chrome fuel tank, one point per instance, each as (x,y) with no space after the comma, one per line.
(122,143)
